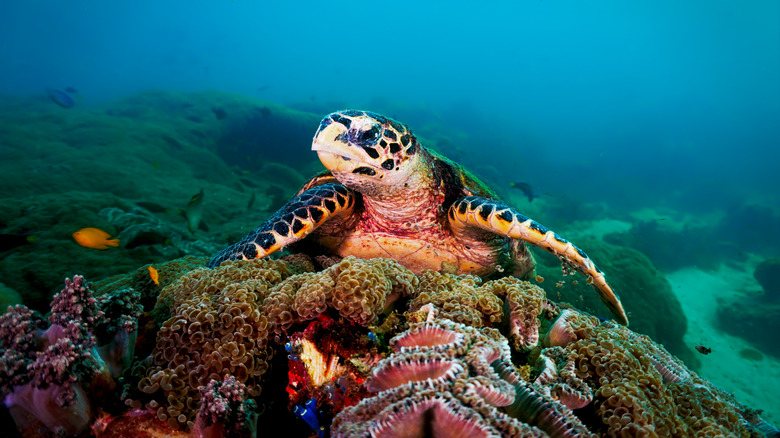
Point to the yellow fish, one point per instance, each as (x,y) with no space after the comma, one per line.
(94,238)
(153,273)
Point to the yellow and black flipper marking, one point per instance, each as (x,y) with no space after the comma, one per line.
(296,220)
(498,218)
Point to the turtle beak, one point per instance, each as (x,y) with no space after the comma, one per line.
(335,153)
(332,162)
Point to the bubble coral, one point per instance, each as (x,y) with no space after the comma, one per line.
(466,300)
(216,330)
(358,290)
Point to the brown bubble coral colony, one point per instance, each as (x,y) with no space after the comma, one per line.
(371,348)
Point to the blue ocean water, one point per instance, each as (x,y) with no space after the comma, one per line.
(665,115)
(660,96)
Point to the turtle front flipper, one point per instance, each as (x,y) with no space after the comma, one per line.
(294,221)
(475,212)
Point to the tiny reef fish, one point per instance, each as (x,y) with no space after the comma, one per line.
(154,275)
(94,238)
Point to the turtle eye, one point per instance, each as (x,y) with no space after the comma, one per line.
(366,138)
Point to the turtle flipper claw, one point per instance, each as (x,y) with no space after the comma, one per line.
(294,221)
(489,215)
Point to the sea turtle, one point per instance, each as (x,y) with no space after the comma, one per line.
(385,195)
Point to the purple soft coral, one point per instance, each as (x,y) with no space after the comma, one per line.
(74,303)
(50,377)
(224,411)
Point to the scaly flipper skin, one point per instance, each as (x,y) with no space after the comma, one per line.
(296,220)
(489,215)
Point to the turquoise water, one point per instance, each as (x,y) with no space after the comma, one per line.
(676,101)
(649,125)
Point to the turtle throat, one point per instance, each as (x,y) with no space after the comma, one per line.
(411,203)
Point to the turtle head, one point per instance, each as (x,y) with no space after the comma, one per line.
(364,150)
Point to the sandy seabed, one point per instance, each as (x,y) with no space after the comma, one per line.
(754,382)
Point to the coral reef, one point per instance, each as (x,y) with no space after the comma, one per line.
(61,169)
(756,318)
(216,330)
(52,376)
(635,387)
(767,274)
(138,228)
(8,297)
(652,239)
(464,358)
(753,319)
(446,378)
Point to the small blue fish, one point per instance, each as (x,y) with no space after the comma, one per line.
(61,98)
(71,90)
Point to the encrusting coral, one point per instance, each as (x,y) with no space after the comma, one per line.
(458,365)
(52,376)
